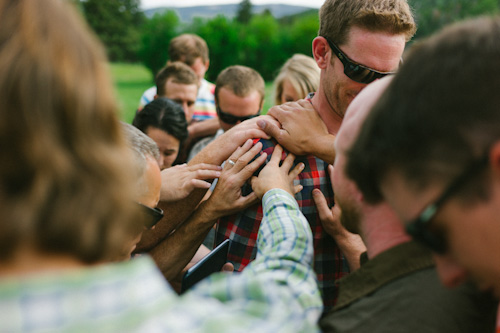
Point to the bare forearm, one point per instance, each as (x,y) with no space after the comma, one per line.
(175,213)
(174,253)
(351,247)
(203,128)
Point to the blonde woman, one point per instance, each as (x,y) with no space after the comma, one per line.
(298,77)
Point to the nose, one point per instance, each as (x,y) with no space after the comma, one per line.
(162,162)
(450,273)
(185,107)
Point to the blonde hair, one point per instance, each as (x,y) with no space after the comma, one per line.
(63,188)
(303,74)
(336,17)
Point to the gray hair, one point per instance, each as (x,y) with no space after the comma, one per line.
(142,146)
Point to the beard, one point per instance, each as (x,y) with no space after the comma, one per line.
(350,217)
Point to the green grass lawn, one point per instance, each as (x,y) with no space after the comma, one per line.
(131,80)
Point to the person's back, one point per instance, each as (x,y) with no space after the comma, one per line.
(399,291)
(67,206)
(396,288)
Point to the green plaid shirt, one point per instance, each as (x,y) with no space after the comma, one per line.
(276,293)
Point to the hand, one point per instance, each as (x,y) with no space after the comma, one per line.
(301,130)
(275,176)
(350,244)
(179,181)
(330,218)
(219,150)
(227,197)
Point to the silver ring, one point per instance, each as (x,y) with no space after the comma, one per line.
(230,161)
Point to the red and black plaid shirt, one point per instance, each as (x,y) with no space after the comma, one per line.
(242,228)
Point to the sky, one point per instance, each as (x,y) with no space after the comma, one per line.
(147,4)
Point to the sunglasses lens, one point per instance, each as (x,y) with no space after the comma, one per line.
(150,216)
(361,75)
(228,119)
(433,240)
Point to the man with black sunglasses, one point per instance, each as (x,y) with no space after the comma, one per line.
(358,42)
(397,288)
(239,96)
(431,148)
(147,174)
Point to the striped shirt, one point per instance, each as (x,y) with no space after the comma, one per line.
(204,108)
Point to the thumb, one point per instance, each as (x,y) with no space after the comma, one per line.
(321,205)
(269,128)
(228,267)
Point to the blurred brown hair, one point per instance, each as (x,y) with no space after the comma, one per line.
(241,80)
(188,47)
(63,188)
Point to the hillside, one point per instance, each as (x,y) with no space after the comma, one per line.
(186,14)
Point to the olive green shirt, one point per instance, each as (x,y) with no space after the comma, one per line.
(399,291)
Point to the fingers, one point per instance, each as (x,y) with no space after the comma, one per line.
(205,174)
(203,166)
(247,201)
(196,183)
(304,103)
(235,156)
(297,189)
(296,171)
(271,129)
(324,211)
(330,173)
(228,267)
(276,156)
(288,161)
(243,156)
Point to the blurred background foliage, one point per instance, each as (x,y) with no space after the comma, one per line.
(260,41)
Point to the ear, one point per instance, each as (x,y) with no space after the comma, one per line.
(320,50)
(207,64)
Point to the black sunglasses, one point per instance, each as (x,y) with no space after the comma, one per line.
(230,119)
(353,70)
(419,227)
(150,216)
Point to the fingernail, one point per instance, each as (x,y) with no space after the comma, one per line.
(261,124)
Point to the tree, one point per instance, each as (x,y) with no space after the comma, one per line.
(156,34)
(117,24)
(224,44)
(432,15)
(244,12)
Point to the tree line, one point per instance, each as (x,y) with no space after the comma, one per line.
(260,41)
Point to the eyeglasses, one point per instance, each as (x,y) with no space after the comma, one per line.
(353,70)
(151,216)
(419,227)
(230,119)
